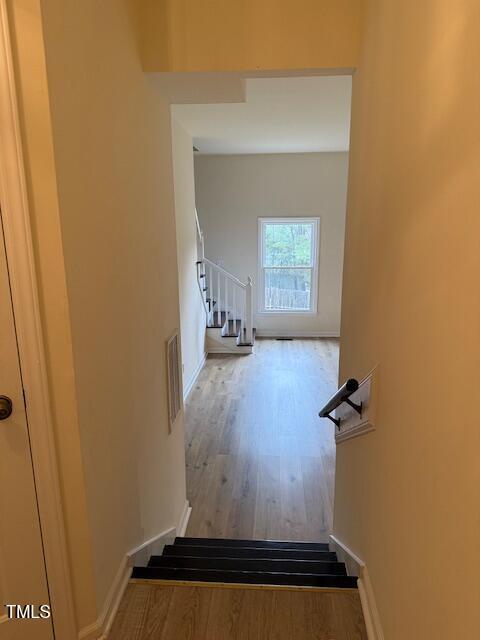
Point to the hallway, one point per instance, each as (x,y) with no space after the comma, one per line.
(260,463)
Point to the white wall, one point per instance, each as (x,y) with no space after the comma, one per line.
(192,315)
(233,191)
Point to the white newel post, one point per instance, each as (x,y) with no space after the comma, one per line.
(249,310)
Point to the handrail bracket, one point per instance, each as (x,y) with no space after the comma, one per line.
(357,407)
(342,395)
(336,421)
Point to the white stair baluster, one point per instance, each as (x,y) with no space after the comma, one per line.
(242,314)
(226,303)
(210,289)
(219,301)
(249,311)
(234,305)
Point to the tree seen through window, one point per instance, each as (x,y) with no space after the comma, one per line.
(288,264)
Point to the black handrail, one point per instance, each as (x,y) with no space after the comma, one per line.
(341,396)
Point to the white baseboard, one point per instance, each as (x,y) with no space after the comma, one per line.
(357,567)
(99,629)
(152,547)
(291,333)
(189,385)
(139,556)
(353,563)
(182,525)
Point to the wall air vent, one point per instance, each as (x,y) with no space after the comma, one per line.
(174,379)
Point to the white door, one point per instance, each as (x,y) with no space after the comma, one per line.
(22,571)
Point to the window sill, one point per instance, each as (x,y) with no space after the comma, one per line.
(287,313)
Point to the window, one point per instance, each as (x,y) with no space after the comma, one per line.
(288,264)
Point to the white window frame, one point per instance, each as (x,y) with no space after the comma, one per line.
(262,222)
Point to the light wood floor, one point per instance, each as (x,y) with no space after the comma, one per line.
(260,463)
(157,612)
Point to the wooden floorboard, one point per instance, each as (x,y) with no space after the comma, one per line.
(260,463)
(158,612)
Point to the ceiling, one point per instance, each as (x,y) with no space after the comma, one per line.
(280,115)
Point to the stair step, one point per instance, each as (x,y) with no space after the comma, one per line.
(243,340)
(232,328)
(217,323)
(252,544)
(245,577)
(248,552)
(250,564)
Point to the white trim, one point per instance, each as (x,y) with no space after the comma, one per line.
(359,430)
(314,268)
(282,314)
(185,517)
(138,556)
(21,263)
(352,424)
(353,563)
(278,333)
(99,629)
(356,566)
(238,351)
(190,384)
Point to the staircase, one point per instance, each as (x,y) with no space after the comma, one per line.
(228,305)
(265,562)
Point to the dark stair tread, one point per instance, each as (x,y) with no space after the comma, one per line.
(248,552)
(250,564)
(245,577)
(252,544)
(232,328)
(243,341)
(218,324)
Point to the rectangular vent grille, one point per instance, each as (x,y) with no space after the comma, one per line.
(174,379)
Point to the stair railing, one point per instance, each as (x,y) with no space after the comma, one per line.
(224,296)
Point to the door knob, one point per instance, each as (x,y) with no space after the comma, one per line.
(6,407)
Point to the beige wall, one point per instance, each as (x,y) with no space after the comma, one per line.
(214,35)
(107,186)
(234,191)
(408,496)
(192,314)
(28,49)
